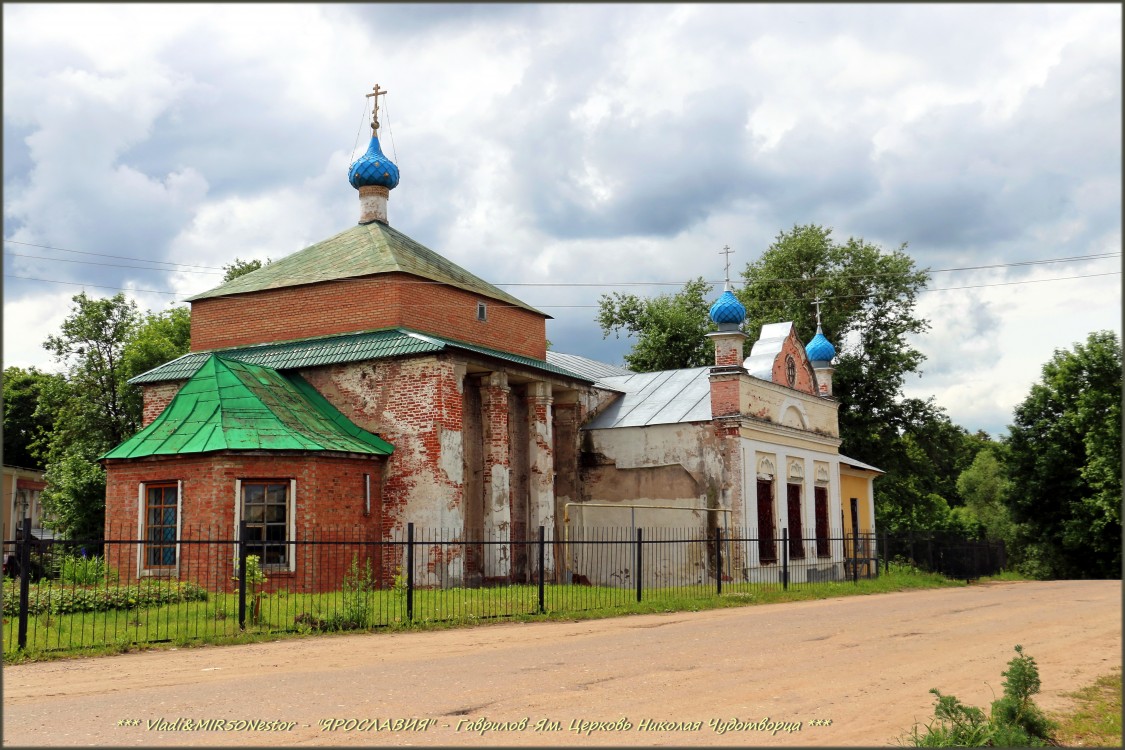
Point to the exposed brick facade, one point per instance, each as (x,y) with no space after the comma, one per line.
(157,396)
(349,305)
(329,504)
(806,379)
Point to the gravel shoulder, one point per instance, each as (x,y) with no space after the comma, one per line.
(840,672)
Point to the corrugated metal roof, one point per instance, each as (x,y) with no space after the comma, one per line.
(590,368)
(338,349)
(232,405)
(363,250)
(665,397)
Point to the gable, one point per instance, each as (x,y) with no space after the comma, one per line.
(779,357)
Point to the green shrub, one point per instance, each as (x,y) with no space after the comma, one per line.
(81,570)
(1015,721)
(58,600)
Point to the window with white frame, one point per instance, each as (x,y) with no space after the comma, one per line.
(160,525)
(266,509)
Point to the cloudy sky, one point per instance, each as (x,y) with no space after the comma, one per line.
(572,151)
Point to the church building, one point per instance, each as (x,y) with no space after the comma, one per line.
(367,382)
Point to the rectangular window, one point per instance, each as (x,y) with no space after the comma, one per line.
(160,524)
(796,530)
(821,498)
(265,509)
(767,547)
(482,311)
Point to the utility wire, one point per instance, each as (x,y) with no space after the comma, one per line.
(444,306)
(1014,264)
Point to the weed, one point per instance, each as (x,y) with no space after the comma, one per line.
(1014,721)
(358,584)
(255,577)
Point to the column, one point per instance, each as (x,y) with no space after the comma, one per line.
(497,508)
(541,483)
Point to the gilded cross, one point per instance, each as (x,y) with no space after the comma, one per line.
(376,92)
(818,303)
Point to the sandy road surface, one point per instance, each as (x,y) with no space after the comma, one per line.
(865,663)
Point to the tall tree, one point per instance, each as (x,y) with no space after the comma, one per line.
(670,329)
(984,486)
(158,338)
(91,346)
(869,296)
(1064,450)
(102,343)
(26,431)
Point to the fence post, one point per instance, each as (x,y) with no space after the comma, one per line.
(785,559)
(542,559)
(855,557)
(242,574)
(23,553)
(410,572)
(886,554)
(719,560)
(640,562)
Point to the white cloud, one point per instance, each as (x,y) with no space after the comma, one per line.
(569,144)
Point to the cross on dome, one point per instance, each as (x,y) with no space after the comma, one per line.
(727,252)
(376,92)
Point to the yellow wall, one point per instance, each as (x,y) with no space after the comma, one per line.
(858,487)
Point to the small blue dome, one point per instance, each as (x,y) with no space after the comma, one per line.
(727,309)
(373,168)
(820,349)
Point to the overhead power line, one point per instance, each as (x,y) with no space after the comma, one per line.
(576,284)
(555,307)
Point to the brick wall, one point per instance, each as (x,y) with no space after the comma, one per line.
(725,394)
(156,398)
(806,379)
(416,405)
(349,305)
(329,505)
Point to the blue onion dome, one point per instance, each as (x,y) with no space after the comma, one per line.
(727,310)
(373,168)
(820,349)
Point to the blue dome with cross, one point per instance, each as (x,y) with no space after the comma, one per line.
(728,310)
(373,168)
(820,349)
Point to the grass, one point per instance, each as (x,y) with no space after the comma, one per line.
(1096,719)
(215,620)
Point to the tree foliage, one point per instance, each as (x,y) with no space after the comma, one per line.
(1064,451)
(91,347)
(239,267)
(102,343)
(984,486)
(670,329)
(868,312)
(26,431)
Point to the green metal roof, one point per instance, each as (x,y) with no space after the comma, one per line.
(339,349)
(233,405)
(363,250)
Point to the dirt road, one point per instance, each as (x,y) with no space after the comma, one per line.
(851,671)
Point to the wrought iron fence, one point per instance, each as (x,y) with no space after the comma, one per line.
(207,584)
